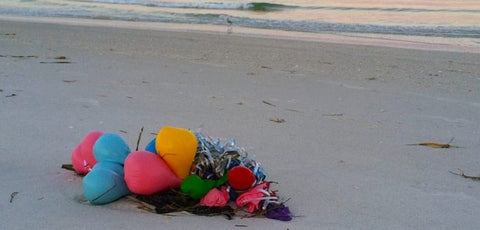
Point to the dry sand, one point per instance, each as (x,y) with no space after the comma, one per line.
(342,154)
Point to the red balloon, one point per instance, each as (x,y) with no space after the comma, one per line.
(241,178)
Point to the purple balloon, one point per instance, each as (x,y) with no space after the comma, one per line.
(278,212)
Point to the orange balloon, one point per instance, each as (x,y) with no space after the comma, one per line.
(177,147)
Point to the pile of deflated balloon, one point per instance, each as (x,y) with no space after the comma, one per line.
(215,174)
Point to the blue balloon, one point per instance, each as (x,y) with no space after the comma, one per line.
(105,183)
(111,147)
(151,146)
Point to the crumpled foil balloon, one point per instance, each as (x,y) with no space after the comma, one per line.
(214,159)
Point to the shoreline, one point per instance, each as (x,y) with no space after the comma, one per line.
(380,40)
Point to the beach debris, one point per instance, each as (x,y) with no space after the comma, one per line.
(24,57)
(55,62)
(9,34)
(277,120)
(68,167)
(122,131)
(268,103)
(13,196)
(139,137)
(462,174)
(193,173)
(59,60)
(141,205)
(437,145)
(175,201)
(1,90)
(371,78)
(457,71)
(20,56)
(293,110)
(11,95)
(332,114)
(69,81)
(265,67)
(326,62)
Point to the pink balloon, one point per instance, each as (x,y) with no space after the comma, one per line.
(252,197)
(216,198)
(147,173)
(82,156)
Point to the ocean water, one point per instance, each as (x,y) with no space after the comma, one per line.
(437,18)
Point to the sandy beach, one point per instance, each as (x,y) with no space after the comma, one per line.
(342,154)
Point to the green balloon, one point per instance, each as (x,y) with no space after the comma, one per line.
(222,180)
(196,187)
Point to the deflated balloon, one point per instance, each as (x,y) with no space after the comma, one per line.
(216,198)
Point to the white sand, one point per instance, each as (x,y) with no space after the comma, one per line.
(341,156)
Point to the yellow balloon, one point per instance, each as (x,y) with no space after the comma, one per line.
(177,147)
